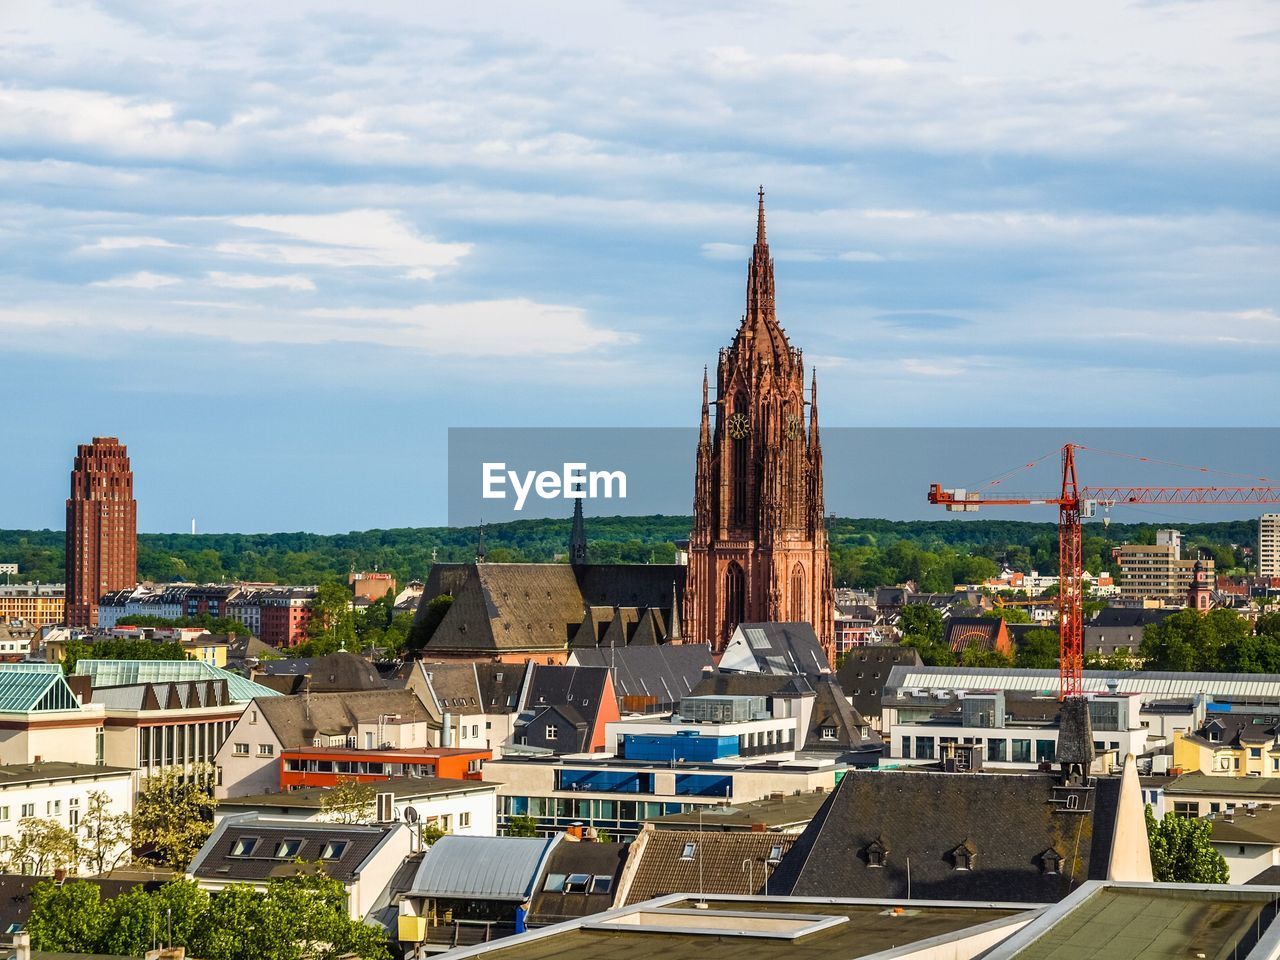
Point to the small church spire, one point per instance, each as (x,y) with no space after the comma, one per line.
(578,537)
(760,238)
(704,437)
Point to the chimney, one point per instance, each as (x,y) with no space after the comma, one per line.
(59,876)
(22,946)
(446,735)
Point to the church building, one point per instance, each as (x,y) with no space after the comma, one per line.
(758,550)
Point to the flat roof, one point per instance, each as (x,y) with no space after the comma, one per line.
(761,928)
(1203,784)
(782,811)
(1147,922)
(309,798)
(18,773)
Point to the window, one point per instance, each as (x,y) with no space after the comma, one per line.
(775,853)
(287,849)
(1188,808)
(577,883)
(1255,752)
(333,850)
(1020,751)
(924,748)
(28,809)
(243,846)
(555,883)
(253,716)
(828,733)
(601,884)
(241,749)
(551,732)
(688,851)
(464,819)
(876,853)
(4,813)
(266,749)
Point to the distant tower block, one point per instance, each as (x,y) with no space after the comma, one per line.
(102,528)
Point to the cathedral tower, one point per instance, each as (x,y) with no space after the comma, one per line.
(758,551)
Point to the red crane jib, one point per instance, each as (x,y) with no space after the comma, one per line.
(1070,501)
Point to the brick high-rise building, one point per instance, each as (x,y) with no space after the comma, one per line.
(102,528)
(758,551)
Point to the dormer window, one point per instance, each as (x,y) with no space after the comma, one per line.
(876,854)
(688,851)
(1051,861)
(963,856)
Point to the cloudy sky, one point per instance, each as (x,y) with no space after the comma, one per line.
(279,248)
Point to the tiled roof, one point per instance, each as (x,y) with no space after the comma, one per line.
(297,720)
(715,863)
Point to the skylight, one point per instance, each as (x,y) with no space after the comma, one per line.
(687,853)
(288,849)
(243,846)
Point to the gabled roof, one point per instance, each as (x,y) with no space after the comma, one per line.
(600,863)
(482,868)
(500,685)
(455,685)
(1009,820)
(832,711)
(299,719)
(980,632)
(778,648)
(663,673)
(579,687)
(34,687)
(122,673)
(332,673)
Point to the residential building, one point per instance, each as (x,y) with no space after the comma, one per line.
(254,850)
(18,640)
(61,791)
(1238,744)
(474,704)
(1119,630)
(101,530)
(454,806)
(988,634)
(865,671)
(758,550)
(39,604)
(41,718)
(566,710)
(211,600)
(778,813)
(340,672)
(969,836)
(284,613)
(1248,837)
(579,880)
(1269,545)
(321,739)
(472,882)
(1202,794)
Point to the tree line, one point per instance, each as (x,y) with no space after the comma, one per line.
(865,553)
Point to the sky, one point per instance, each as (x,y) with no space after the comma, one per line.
(280,248)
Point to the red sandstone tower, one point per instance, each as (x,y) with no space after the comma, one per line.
(102,528)
(758,551)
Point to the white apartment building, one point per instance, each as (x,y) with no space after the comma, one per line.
(1269,545)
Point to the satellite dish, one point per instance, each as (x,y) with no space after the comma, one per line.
(410,815)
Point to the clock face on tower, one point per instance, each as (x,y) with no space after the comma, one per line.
(793,427)
(739,426)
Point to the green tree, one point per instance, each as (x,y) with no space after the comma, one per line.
(349,802)
(923,621)
(42,846)
(332,626)
(68,917)
(1038,650)
(108,837)
(1009,614)
(522,826)
(173,814)
(1181,851)
(976,656)
(1192,641)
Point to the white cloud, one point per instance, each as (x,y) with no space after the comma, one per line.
(356,238)
(931,368)
(253,281)
(142,280)
(860,256)
(107,244)
(725,251)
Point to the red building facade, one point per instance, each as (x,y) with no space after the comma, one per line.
(758,550)
(330,766)
(102,528)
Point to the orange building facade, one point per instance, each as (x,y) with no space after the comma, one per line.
(329,766)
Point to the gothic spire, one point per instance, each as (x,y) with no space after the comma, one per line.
(760,333)
(760,240)
(578,537)
(704,437)
(813,411)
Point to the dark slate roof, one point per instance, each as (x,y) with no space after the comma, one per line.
(577,687)
(632,584)
(784,648)
(215,862)
(299,719)
(500,685)
(332,673)
(719,684)
(1113,617)
(831,709)
(857,674)
(716,864)
(663,674)
(455,686)
(1011,822)
(551,904)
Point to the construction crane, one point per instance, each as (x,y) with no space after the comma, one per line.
(1075,503)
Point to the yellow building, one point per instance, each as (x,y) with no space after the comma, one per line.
(40,604)
(1246,749)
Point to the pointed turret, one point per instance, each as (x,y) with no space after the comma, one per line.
(673,625)
(578,537)
(760,334)
(704,435)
